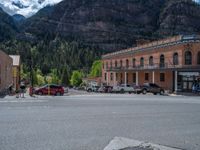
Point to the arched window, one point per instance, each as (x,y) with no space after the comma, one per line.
(141,62)
(175,59)
(121,63)
(115,63)
(162,61)
(198,58)
(111,64)
(134,62)
(151,61)
(188,58)
(127,63)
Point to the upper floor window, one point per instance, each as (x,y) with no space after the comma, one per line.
(134,62)
(127,63)
(121,63)
(175,59)
(142,62)
(198,58)
(162,61)
(115,63)
(151,61)
(188,58)
(106,65)
(111,64)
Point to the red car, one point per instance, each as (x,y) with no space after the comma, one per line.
(50,89)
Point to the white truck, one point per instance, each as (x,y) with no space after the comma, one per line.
(123,88)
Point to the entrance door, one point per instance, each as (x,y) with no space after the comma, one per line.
(187,83)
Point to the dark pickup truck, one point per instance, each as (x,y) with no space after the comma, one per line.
(152,88)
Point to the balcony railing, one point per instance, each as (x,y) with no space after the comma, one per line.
(151,67)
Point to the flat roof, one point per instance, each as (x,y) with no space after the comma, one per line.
(154,44)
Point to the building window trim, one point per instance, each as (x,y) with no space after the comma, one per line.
(151,62)
(175,59)
(198,58)
(146,76)
(188,57)
(162,77)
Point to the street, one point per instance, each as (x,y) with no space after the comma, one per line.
(90,122)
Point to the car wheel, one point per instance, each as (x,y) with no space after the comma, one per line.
(154,93)
(144,91)
(40,93)
(90,90)
(162,92)
(122,91)
(58,94)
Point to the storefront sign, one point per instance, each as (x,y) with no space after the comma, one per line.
(189,73)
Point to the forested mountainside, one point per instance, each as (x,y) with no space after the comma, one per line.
(73,33)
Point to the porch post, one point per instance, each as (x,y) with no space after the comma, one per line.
(114,73)
(125,78)
(107,78)
(176,81)
(137,82)
(153,77)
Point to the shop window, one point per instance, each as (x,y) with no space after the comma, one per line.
(134,62)
(121,63)
(146,76)
(188,58)
(175,59)
(127,77)
(134,77)
(151,61)
(115,63)
(198,58)
(111,76)
(162,77)
(142,62)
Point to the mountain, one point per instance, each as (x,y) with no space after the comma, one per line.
(18,18)
(115,24)
(8,27)
(26,8)
(108,25)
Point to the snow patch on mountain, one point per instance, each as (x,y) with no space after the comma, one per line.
(25,7)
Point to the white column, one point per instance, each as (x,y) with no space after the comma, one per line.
(107,78)
(153,77)
(176,81)
(125,78)
(137,82)
(114,74)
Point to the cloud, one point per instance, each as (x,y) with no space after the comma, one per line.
(25,7)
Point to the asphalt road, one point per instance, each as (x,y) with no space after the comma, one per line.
(90,122)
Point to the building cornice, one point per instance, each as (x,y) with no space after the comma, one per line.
(178,40)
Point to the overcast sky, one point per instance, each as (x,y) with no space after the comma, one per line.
(25,7)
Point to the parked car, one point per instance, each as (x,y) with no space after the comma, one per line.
(138,89)
(105,89)
(51,89)
(123,89)
(92,88)
(152,88)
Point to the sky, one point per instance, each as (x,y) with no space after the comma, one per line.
(25,7)
(28,8)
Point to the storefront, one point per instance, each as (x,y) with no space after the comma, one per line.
(186,80)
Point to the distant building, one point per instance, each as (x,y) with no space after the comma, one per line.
(5,72)
(172,63)
(92,81)
(16,71)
